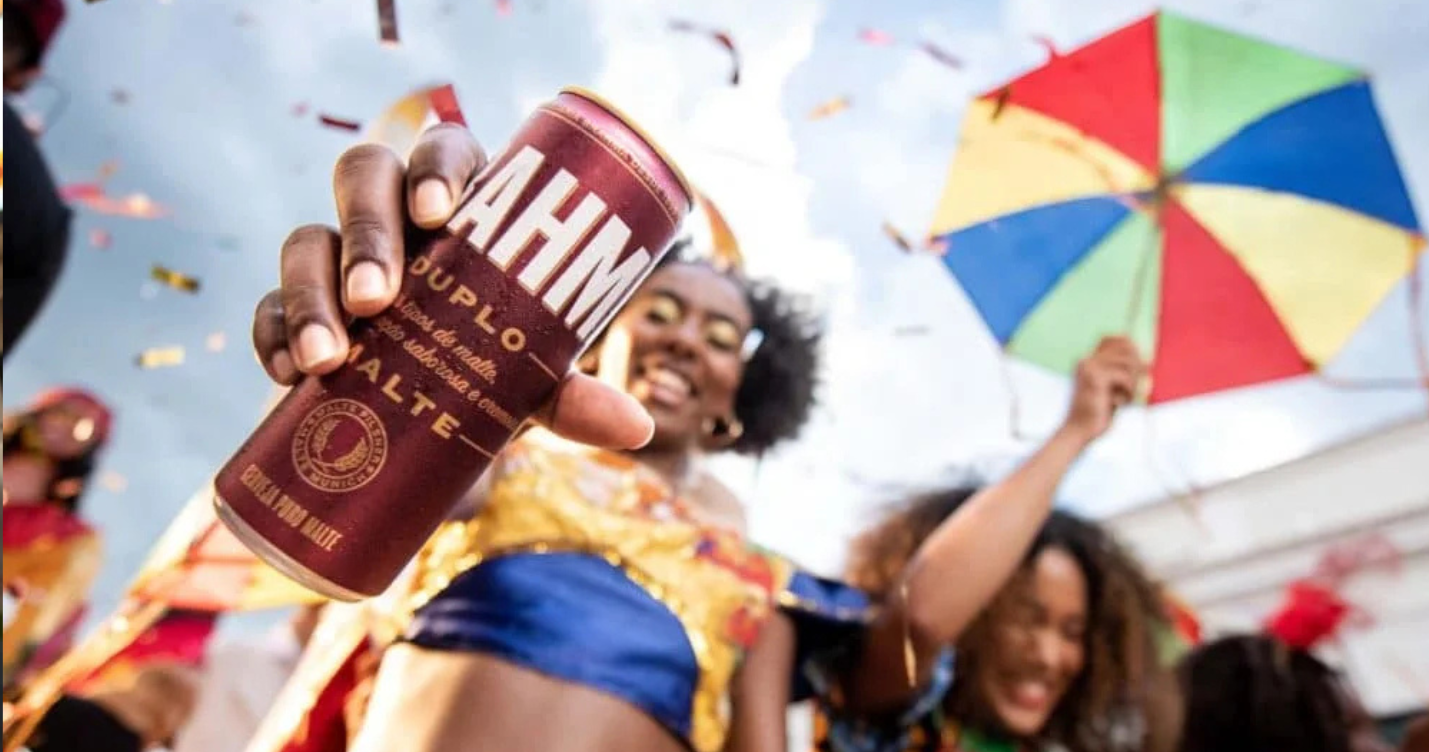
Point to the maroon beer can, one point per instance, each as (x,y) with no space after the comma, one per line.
(347,477)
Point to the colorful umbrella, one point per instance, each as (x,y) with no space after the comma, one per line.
(1232,205)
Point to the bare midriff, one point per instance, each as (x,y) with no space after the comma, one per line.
(450,701)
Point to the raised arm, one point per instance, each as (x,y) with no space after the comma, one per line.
(962,565)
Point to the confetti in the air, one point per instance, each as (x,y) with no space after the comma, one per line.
(720,37)
(400,124)
(503,8)
(216,341)
(941,55)
(100,238)
(161,357)
(92,196)
(299,109)
(176,280)
(387,22)
(830,108)
(877,37)
(881,38)
(119,96)
(339,123)
(898,238)
(905,244)
(113,482)
(724,247)
(1046,43)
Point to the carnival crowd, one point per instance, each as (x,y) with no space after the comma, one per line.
(597,591)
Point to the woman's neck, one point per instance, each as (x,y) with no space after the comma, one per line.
(674,465)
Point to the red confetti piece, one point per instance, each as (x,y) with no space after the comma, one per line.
(340,123)
(1047,44)
(720,37)
(445,104)
(387,22)
(876,37)
(503,8)
(100,238)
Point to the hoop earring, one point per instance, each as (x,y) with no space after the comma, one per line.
(727,429)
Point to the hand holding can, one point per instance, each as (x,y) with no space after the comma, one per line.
(344,481)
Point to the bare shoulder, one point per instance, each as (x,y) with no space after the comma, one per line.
(718,505)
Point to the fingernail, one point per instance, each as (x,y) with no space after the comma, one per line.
(433,202)
(366,283)
(647,423)
(283,367)
(316,346)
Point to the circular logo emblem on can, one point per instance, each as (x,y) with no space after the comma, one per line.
(340,446)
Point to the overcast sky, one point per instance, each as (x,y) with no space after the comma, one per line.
(195,101)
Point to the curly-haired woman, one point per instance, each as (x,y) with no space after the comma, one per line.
(595,599)
(1006,625)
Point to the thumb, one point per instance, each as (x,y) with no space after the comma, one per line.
(590,411)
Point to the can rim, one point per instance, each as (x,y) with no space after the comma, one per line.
(664,156)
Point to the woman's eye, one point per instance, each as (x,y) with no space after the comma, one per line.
(723,336)
(663,310)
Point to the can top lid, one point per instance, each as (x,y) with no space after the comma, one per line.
(605,104)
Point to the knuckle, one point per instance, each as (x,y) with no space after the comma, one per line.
(269,308)
(445,148)
(305,303)
(362,158)
(268,317)
(363,237)
(305,237)
(445,129)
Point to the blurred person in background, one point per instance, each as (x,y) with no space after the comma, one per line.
(1416,736)
(36,220)
(240,681)
(1007,626)
(51,554)
(1256,693)
(142,715)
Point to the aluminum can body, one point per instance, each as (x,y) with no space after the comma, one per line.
(347,477)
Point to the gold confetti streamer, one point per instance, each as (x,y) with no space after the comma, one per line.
(161,357)
(830,108)
(176,280)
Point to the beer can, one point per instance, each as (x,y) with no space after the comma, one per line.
(343,482)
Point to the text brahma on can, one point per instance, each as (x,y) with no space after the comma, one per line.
(344,481)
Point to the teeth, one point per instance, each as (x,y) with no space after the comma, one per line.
(1033,691)
(670,380)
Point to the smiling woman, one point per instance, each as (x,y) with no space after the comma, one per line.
(1065,644)
(1054,627)
(611,588)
